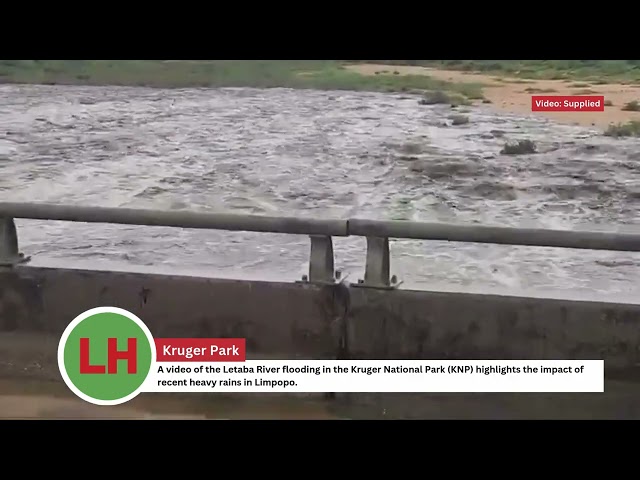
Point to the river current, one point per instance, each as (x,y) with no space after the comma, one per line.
(321,155)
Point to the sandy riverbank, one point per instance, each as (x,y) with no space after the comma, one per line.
(514,95)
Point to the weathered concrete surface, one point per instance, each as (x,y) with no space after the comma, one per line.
(303,321)
(272,316)
(414,324)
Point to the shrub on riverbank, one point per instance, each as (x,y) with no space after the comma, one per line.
(633,106)
(629,129)
(444,98)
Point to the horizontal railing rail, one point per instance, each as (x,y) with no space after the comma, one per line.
(175,218)
(496,235)
(321,265)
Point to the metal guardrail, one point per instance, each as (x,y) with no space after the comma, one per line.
(321,263)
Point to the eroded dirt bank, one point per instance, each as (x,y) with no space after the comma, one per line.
(514,95)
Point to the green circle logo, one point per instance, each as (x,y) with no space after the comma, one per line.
(105,355)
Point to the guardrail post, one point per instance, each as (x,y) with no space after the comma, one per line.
(9,253)
(321,266)
(377,268)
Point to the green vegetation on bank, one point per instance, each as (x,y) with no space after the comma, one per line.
(629,129)
(316,74)
(594,71)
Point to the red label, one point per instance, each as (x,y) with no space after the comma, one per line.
(201,349)
(567,103)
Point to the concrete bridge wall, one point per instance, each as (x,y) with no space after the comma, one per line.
(288,320)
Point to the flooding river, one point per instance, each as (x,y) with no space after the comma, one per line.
(321,155)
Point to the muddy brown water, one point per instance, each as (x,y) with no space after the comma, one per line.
(314,154)
(321,155)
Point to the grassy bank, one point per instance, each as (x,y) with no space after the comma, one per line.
(594,71)
(328,74)
(324,75)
